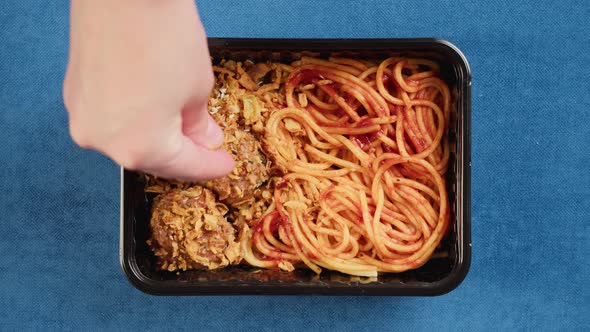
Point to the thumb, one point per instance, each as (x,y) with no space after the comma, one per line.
(194,162)
(200,157)
(200,127)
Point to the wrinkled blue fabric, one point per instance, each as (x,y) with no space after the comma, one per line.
(59,219)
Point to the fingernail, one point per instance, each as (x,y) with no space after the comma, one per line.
(214,135)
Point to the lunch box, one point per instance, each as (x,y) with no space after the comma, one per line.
(438,276)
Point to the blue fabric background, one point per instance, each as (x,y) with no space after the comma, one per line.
(59,265)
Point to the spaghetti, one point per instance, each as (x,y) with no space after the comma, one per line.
(363,152)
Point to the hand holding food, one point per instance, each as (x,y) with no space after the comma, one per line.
(137,87)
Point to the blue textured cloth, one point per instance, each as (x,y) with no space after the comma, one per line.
(59,265)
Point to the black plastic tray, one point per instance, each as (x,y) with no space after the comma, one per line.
(438,276)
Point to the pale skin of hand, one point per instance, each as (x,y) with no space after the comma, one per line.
(137,85)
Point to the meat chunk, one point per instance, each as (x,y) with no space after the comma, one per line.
(250,172)
(239,113)
(189,231)
(257,71)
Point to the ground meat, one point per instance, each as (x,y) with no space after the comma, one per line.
(258,71)
(239,112)
(189,231)
(250,172)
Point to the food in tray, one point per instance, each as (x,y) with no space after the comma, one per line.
(189,231)
(340,166)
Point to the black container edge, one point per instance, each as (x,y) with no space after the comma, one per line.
(449,283)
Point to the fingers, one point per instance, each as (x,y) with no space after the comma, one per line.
(162,149)
(195,163)
(200,127)
(200,156)
(144,106)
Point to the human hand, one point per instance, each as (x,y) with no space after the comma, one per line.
(137,85)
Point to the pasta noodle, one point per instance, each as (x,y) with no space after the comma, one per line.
(364,152)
